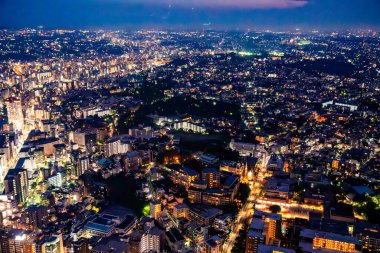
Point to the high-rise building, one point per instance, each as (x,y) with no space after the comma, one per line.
(85,138)
(155,209)
(151,241)
(255,235)
(14,113)
(82,165)
(272,226)
(16,184)
(36,216)
(368,234)
(120,144)
(212,177)
(18,241)
(253,240)
(50,244)
(213,245)
(181,211)
(314,240)
(195,195)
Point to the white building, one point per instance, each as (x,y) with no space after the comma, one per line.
(141,132)
(339,104)
(92,111)
(188,126)
(118,145)
(83,165)
(55,180)
(14,113)
(244,148)
(151,240)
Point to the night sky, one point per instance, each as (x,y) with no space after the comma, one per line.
(189,14)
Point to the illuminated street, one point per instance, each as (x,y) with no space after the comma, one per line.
(246,211)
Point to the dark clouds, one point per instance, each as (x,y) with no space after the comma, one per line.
(274,14)
(233,4)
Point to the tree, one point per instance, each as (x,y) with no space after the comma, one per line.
(240,242)
(34,185)
(243,192)
(275,209)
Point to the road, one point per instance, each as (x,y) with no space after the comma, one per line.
(152,190)
(245,212)
(149,181)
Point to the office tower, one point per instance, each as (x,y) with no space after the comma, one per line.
(14,113)
(16,184)
(155,209)
(82,166)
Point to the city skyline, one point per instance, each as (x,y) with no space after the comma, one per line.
(189,126)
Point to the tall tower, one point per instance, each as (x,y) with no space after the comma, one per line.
(151,240)
(155,209)
(16,183)
(272,226)
(14,113)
